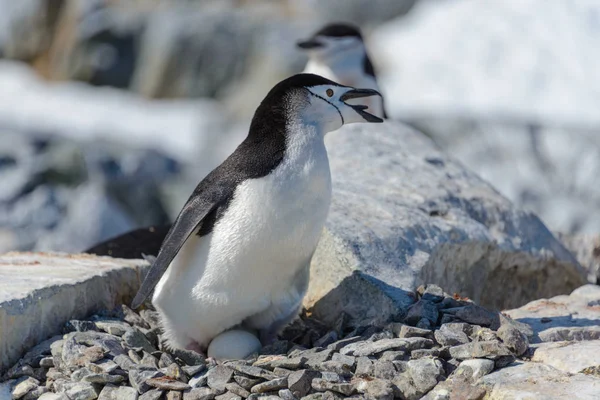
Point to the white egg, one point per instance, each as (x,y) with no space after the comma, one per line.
(233,345)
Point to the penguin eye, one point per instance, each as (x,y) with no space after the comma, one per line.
(329,92)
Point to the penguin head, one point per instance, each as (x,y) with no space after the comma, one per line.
(335,44)
(312,100)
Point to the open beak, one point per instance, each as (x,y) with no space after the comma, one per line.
(309,44)
(360,108)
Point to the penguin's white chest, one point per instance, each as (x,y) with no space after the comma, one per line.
(249,262)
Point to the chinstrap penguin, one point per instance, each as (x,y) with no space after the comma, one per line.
(338,52)
(238,253)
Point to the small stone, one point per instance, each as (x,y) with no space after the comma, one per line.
(406,331)
(425,373)
(228,396)
(245,382)
(391,355)
(329,338)
(237,389)
(200,379)
(385,334)
(105,365)
(346,360)
(103,378)
(166,360)
(489,349)
(433,293)
(384,369)
(332,377)
(314,359)
(321,385)
(151,317)
(53,396)
(174,371)
(149,360)
(503,361)
(364,366)
(477,315)
(191,370)
(47,362)
(344,342)
(173,395)
(138,379)
(474,369)
(481,334)
(286,394)
(113,326)
(166,383)
(251,371)
(334,366)
(451,335)
(199,394)
(26,385)
(124,362)
(277,347)
(82,391)
(153,394)
(376,389)
(189,357)
(137,340)
(79,374)
(422,309)
(420,353)
(133,354)
(274,384)
(133,318)
(281,362)
(282,372)
(110,343)
(405,344)
(516,341)
(36,393)
(299,382)
(111,392)
(219,376)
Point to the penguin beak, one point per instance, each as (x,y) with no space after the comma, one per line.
(359,108)
(309,44)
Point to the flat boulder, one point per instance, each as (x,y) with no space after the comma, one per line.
(404,213)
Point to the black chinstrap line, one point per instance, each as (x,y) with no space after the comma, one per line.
(323,98)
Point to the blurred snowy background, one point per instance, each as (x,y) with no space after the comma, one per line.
(111,111)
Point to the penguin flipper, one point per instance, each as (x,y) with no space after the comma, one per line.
(189,219)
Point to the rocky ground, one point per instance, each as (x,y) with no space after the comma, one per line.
(443,343)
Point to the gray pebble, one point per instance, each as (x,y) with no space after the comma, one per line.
(36,393)
(433,293)
(477,315)
(113,326)
(133,318)
(376,389)
(137,340)
(191,370)
(489,349)
(420,353)
(516,341)
(334,366)
(47,362)
(245,382)
(149,360)
(219,376)
(364,366)
(299,382)
(228,396)
(474,369)
(451,335)
(199,394)
(165,383)
(112,392)
(405,344)
(82,391)
(138,379)
(315,359)
(80,326)
(407,331)
(153,394)
(135,357)
(286,394)
(332,376)
(151,317)
(322,385)
(103,378)
(173,395)
(282,372)
(346,360)
(251,371)
(237,389)
(104,365)
(422,309)
(189,357)
(79,374)
(281,362)
(23,386)
(384,369)
(200,379)
(391,355)
(110,343)
(274,384)
(166,360)
(344,342)
(425,373)
(124,362)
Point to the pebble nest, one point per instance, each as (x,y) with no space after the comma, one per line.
(441,344)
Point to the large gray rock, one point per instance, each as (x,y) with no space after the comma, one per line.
(403,213)
(571,357)
(539,382)
(563,318)
(40,292)
(586,248)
